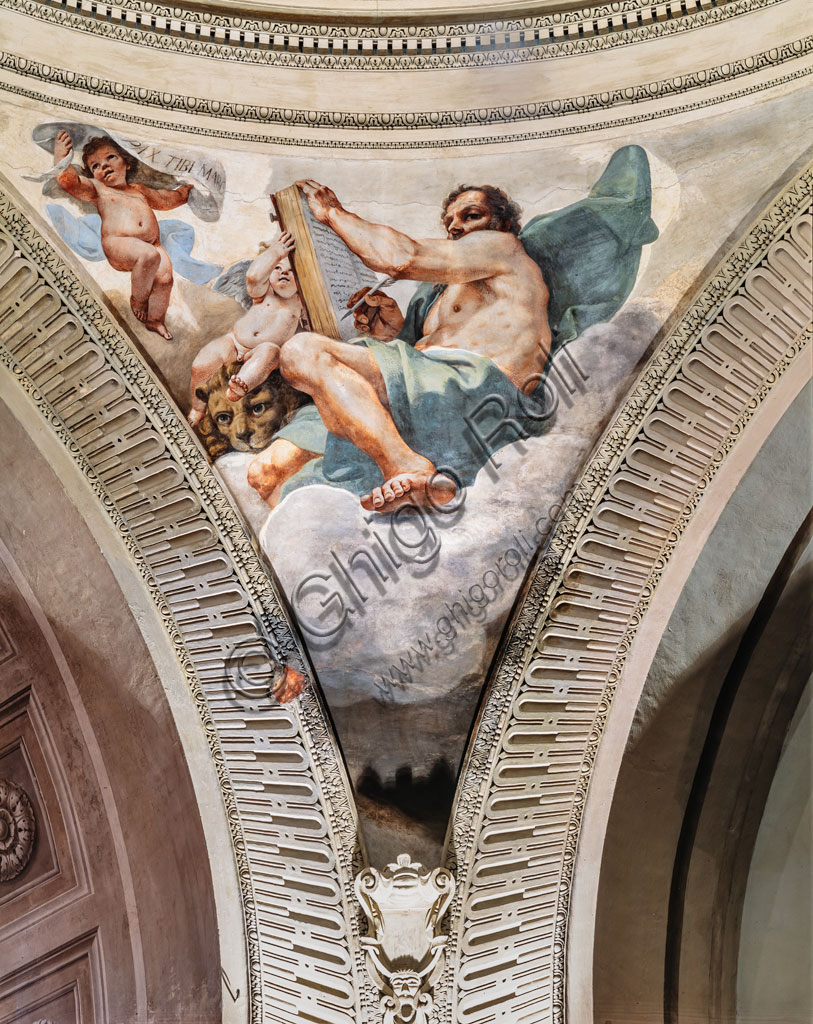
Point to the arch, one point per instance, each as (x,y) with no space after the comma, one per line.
(683,809)
(297,848)
(517,823)
(86,729)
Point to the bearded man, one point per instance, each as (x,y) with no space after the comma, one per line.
(485,335)
(411,412)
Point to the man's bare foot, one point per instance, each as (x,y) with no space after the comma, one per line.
(139,310)
(421,487)
(237,388)
(195,416)
(159,327)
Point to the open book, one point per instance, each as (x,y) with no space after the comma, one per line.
(327,271)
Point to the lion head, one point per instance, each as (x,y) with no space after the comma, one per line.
(248,424)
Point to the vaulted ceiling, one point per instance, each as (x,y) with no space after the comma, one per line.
(262,800)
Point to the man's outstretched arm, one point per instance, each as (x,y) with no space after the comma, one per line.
(476,256)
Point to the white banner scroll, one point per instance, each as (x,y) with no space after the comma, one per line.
(208,175)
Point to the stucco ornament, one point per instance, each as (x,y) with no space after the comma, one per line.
(17,826)
(405,904)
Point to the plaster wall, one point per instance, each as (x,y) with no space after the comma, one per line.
(139,840)
(671,722)
(775,964)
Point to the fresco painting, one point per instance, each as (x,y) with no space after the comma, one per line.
(400,459)
(273,313)
(400,475)
(413,410)
(129,233)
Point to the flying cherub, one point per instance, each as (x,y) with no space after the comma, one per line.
(274,313)
(130,236)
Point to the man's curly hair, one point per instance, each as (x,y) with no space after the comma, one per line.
(104,140)
(505,212)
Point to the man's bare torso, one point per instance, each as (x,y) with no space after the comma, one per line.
(504,318)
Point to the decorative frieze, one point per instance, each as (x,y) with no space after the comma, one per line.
(286,796)
(384,46)
(418,120)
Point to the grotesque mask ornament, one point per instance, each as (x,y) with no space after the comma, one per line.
(405,905)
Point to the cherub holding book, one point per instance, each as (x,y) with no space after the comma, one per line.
(130,235)
(274,314)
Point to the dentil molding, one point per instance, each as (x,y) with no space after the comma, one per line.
(386,44)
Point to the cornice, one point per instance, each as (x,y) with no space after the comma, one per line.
(386,45)
(385,12)
(426,121)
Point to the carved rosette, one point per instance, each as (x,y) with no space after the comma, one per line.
(17,827)
(404,905)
